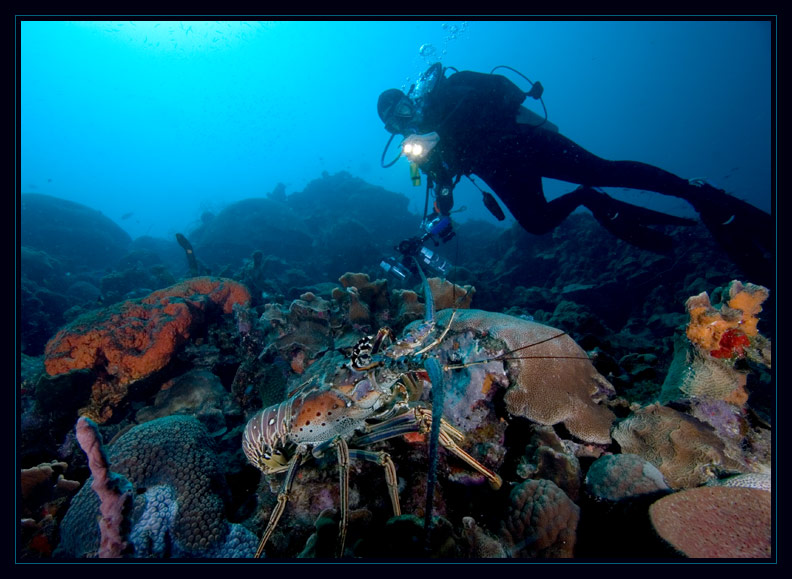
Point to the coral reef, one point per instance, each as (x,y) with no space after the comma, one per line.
(727,332)
(716,522)
(134,339)
(537,412)
(179,508)
(300,334)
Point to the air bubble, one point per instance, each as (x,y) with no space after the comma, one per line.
(427,50)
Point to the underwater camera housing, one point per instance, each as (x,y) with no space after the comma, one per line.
(403,268)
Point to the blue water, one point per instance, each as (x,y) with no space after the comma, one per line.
(155,122)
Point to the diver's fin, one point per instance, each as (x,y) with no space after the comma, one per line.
(745,232)
(724,214)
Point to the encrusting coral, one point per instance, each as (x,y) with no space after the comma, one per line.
(131,340)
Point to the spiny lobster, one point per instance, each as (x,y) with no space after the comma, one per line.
(374,397)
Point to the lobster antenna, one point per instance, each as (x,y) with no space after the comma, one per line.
(435,372)
(428,298)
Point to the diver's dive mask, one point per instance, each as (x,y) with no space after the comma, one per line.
(402,112)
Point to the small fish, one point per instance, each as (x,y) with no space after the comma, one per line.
(127,215)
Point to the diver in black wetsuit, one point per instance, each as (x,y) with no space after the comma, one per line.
(474,123)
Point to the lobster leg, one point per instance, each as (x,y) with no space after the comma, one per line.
(384,460)
(419,419)
(283,498)
(441,338)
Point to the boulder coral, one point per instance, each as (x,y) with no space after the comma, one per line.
(552,379)
(131,340)
(614,477)
(541,522)
(178,489)
(716,522)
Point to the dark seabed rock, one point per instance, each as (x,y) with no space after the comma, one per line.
(82,238)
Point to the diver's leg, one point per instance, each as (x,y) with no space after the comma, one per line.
(563,159)
(528,205)
(745,232)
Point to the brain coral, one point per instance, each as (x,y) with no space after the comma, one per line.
(133,339)
(716,522)
(541,521)
(177,511)
(552,379)
(684,449)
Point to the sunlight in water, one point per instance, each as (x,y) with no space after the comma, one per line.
(181,35)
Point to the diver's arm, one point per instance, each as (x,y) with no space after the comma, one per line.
(442,180)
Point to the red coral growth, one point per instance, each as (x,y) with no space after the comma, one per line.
(732,343)
(132,340)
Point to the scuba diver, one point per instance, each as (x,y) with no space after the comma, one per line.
(472,123)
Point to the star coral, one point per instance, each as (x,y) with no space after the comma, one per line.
(179,489)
